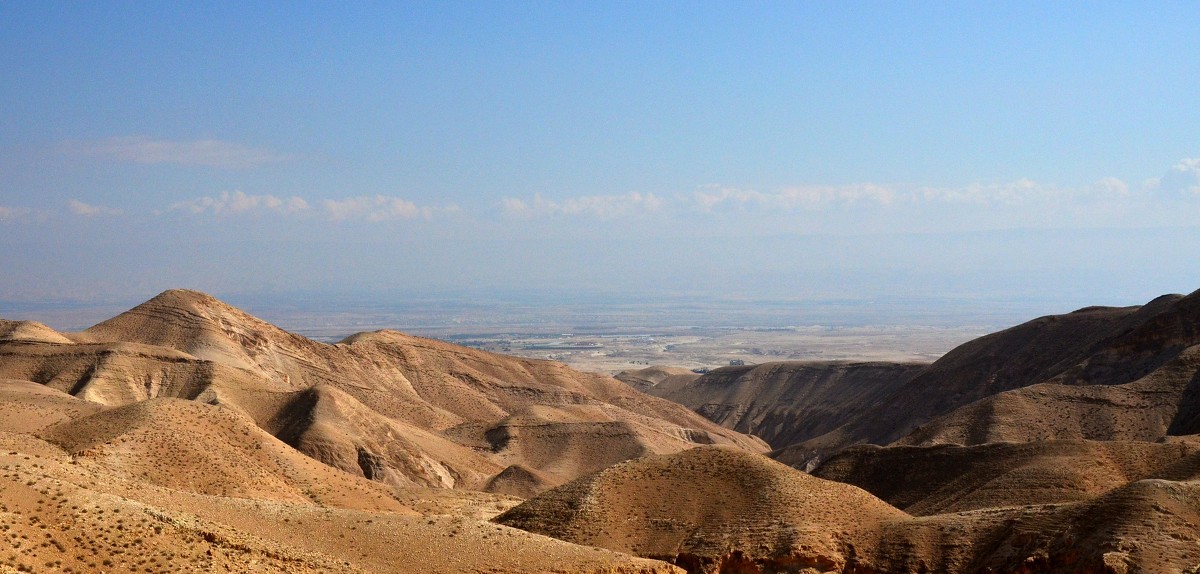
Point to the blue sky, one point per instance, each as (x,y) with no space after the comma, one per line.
(1017,149)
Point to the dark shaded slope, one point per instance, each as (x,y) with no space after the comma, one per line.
(946,478)
(785,403)
(1144,410)
(1092,346)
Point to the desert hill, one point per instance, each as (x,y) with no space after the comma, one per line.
(398,409)
(58,516)
(30,331)
(656,376)
(1147,409)
(1098,373)
(948,478)
(715,510)
(785,403)
(187,435)
(1144,526)
(710,509)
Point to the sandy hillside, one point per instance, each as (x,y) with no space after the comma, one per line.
(694,507)
(942,479)
(186,435)
(56,516)
(397,409)
(659,377)
(713,510)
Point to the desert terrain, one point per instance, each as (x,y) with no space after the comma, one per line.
(608,336)
(705,348)
(187,435)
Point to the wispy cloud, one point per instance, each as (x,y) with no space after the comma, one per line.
(207,152)
(714,197)
(374,208)
(602,206)
(1184,178)
(377,208)
(238,202)
(8,214)
(80,208)
(1013,193)
(1022,192)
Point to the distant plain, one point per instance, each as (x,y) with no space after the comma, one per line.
(612,334)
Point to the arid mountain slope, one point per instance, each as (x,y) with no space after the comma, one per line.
(60,516)
(1148,526)
(393,408)
(27,407)
(663,378)
(714,510)
(1147,409)
(173,485)
(188,436)
(1095,347)
(30,331)
(788,402)
(942,479)
(694,507)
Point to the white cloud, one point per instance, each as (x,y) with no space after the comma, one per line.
(1184,178)
(208,153)
(377,208)
(1020,192)
(12,213)
(1110,187)
(860,194)
(602,206)
(713,197)
(80,208)
(237,202)
(366,208)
